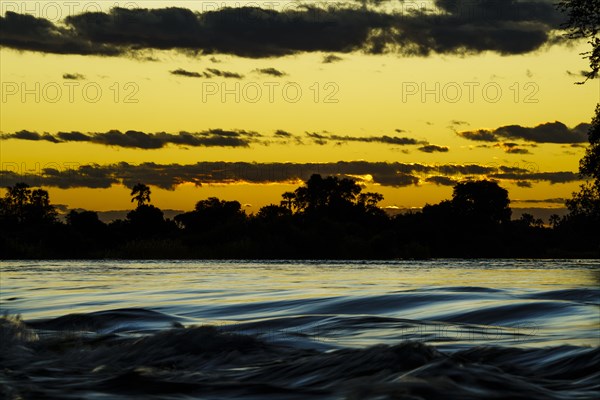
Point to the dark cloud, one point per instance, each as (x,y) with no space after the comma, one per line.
(441,180)
(508,10)
(331,58)
(524,184)
(518,170)
(224,74)
(143,140)
(466,169)
(432,148)
(282,134)
(29,135)
(90,176)
(131,139)
(86,176)
(507,27)
(317,139)
(480,135)
(189,74)
(209,73)
(73,137)
(321,139)
(209,138)
(516,150)
(512,148)
(400,141)
(26,32)
(168,176)
(271,71)
(550,132)
(552,177)
(396,180)
(75,77)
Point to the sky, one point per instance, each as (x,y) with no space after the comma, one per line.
(245,100)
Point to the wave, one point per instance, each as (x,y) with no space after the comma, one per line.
(109,321)
(86,356)
(582,295)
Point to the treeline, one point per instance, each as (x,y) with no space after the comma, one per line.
(326,218)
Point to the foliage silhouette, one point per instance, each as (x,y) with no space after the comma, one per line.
(146,220)
(584,23)
(209,213)
(590,163)
(23,205)
(272,212)
(84,221)
(140,194)
(584,206)
(327,218)
(481,202)
(579,229)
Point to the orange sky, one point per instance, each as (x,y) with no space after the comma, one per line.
(360,96)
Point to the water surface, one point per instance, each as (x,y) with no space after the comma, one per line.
(307,329)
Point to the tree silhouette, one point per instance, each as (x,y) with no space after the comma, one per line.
(85,221)
(210,213)
(39,208)
(21,204)
(321,193)
(590,163)
(586,202)
(482,201)
(331,218)
(368,202)
(146,220)
(331,196)
(273,212)
(530,221)
(15,200)
(288,200)
(584,23)
(554,220)
(141,194)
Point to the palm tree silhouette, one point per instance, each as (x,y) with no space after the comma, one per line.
(141,194)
